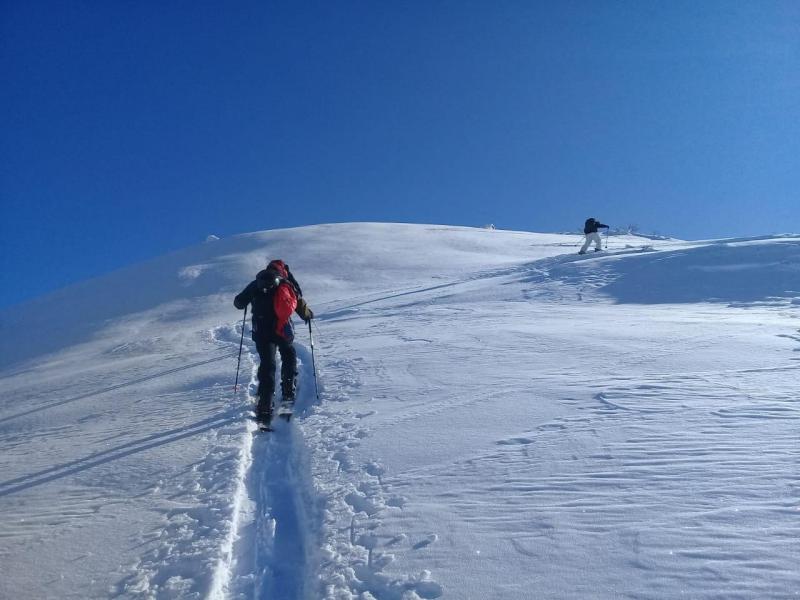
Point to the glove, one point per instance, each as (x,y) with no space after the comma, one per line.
(309,315)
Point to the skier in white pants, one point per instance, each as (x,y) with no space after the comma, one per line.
(590,229)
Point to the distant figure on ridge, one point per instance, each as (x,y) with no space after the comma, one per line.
(590,229)
(274,296)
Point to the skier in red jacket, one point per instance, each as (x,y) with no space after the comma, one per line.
(274,296)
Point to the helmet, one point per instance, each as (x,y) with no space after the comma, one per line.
(279,267)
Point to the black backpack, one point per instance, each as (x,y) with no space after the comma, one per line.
(267,282)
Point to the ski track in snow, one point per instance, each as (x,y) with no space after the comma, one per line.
(271,543)
(288,538)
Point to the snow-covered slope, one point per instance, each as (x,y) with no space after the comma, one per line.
(498,418)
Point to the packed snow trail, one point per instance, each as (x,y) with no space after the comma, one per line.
(273,533)
(287,566)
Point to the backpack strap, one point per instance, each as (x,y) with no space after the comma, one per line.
(293,281)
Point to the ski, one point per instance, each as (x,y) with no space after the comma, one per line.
(262,424)
(286,410)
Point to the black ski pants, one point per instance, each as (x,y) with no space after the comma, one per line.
(266,368)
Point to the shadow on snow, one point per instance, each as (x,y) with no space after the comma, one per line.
(38,478)
(727,273)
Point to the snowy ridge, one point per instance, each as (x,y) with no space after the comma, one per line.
(499,417)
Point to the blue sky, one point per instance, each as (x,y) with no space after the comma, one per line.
(134,128)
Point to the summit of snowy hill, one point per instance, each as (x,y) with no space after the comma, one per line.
(483,414)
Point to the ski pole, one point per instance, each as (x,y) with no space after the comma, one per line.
(607,238)
(313,360)
(239,361)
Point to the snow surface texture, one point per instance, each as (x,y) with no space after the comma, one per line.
(498,418)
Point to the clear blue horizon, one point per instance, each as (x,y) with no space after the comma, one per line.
(134,129)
